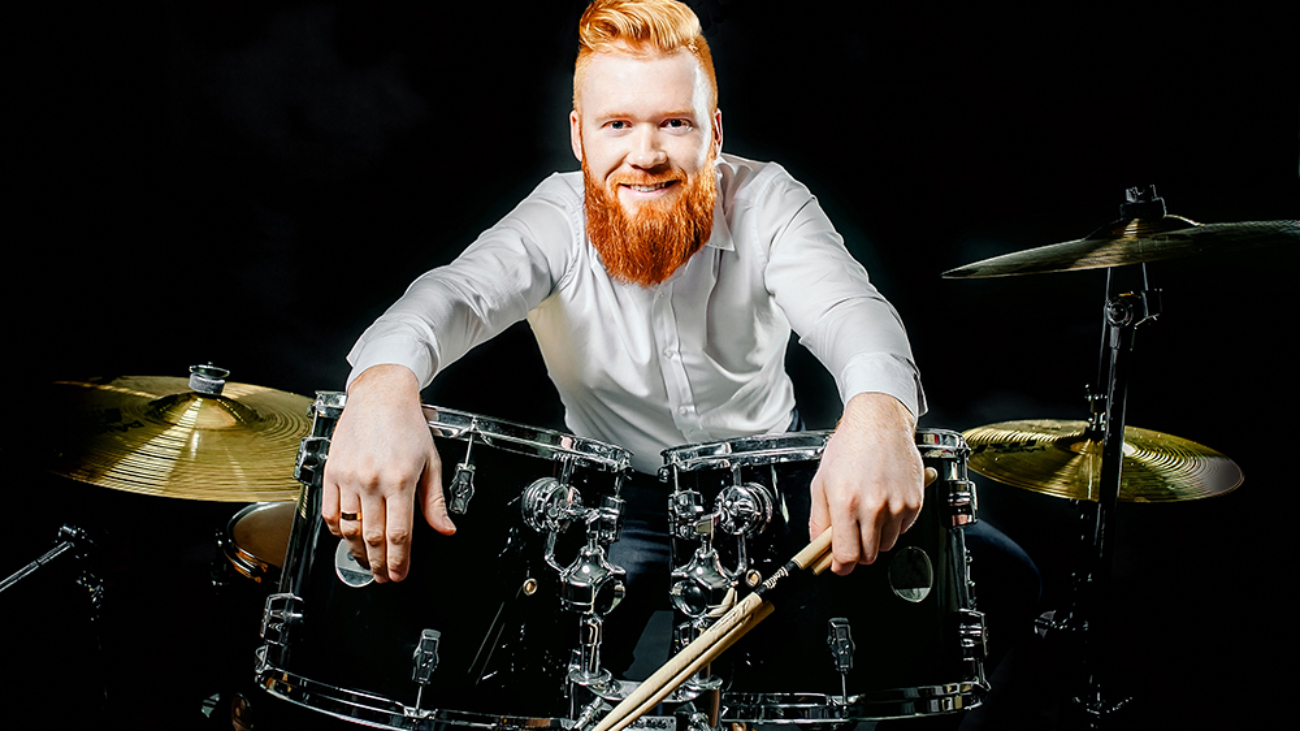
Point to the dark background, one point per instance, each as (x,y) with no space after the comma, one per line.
(253,183)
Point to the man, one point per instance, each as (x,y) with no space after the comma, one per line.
(661,284)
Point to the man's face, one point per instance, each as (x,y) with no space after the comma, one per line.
(644,125)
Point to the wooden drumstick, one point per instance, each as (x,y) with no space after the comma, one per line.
(713,641)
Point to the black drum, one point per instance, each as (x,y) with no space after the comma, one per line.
(899,638)
(492,626)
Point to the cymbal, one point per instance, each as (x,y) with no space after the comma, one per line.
(154,435)
(1061,458)
(1134,241)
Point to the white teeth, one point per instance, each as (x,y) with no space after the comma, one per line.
(647,188)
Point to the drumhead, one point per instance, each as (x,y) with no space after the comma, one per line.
(257,539)
(528,440)
(792,447)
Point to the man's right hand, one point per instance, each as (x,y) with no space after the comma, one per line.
(381,457)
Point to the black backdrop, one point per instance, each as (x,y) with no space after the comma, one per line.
(253,183)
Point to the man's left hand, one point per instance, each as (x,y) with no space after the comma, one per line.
(869,486)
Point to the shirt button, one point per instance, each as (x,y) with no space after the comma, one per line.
(668,353)
(683,410)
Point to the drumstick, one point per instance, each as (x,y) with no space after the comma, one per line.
(718,637)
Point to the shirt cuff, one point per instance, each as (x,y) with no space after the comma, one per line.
(883,373)
(393,351)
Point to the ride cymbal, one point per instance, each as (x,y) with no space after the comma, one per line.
(1063,458)
(155,435)
(1133,241)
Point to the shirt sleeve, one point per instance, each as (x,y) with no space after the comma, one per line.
(499,278)
(830,301)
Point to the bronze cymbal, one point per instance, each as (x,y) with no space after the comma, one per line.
(1062,458)
(154,435)
(1134,241)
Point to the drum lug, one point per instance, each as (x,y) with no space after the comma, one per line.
(962,502)
(282,612)
(462,489)
(462,485)
(425,658)
(840,639)
(974,639)
(311,458)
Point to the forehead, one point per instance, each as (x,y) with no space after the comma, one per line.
(624,82)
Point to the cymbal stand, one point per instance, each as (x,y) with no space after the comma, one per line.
(74,539)
(1124,313)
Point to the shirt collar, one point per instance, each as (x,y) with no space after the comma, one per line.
(721,236)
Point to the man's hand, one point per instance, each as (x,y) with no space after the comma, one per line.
(381,456)
(869,485)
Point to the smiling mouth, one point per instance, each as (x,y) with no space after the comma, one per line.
(649,188)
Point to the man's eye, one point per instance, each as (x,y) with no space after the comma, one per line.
(677,124)
(618,124)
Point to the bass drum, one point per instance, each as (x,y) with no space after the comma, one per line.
(487,628)
(896,639)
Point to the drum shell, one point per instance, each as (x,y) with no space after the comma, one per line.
(900,644)
(506,641)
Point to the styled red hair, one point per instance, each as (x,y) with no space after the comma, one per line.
(641,27)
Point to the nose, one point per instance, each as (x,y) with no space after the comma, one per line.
(647,149)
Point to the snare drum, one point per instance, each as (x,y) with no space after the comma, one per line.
(256,540)
(492,625)
(898,638)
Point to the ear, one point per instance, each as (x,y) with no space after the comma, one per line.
(717,131)
(575,134)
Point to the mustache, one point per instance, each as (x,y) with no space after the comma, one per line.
(640,177)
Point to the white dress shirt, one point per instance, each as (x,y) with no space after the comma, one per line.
(698,358)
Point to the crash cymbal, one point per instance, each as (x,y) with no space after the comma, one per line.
(1134,241)
(156,435)
(1062,458)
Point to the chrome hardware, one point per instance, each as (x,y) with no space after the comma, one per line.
(608,523)
(684,510)
(701,585)
(462,488)
(350,569)
(584,584)
(425,658)
(840,639)
(311,457)
(282,611)
(744,510)
(549,506)
(462,485)
(962,502)
(974,638)
(208,379)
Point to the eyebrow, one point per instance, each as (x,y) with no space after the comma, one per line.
(628,115)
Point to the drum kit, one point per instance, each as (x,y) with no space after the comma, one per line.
(502,626)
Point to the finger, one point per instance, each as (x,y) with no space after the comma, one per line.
(397,534)
(373,516)
(931,474)
(846,551)
(819,518)
(433,504)
(349,522)
(329,507)
(888,528)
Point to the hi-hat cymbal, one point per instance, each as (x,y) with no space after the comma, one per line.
(1134,241)
(154,435)
(1062,458)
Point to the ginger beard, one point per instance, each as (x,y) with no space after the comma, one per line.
(646,246)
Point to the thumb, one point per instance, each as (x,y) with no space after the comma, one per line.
(432,502)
